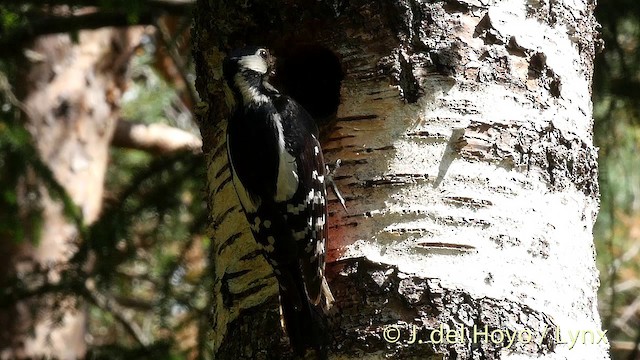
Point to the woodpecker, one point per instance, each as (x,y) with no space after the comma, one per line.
(279,175)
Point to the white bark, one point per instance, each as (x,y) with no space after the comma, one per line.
(470,203)
(488,182)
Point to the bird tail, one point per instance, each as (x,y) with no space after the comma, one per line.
(304,322)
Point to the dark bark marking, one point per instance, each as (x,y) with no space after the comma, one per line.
(229,298)
(463,221)
(390,297)
(407,81)
(336,149)
(358,117)
(459,247)
(222,147)
(250,290)
(457,6)
(426,134)
(396,179)
(515,49)
(222,170)
(539,69)
(233,275)
(222,184)
(63,110)
(415,27)
(222,217)
(342,225)
(353,162)
(342,177)
(341,137)
(259,329)
(485,31)
(467,201)
(251,255)
(504,239)
(563,157)
(229,241)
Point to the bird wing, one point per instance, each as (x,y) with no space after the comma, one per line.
(310,230)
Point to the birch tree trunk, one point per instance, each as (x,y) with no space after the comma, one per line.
(465,134)
(71,91)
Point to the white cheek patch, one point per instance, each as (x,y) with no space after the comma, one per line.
(255,63)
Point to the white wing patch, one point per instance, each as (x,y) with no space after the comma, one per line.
(287,184)
(247,202)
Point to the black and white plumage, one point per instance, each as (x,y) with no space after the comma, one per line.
(279,175)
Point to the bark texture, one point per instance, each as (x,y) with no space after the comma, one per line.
(468,166)
(70,90)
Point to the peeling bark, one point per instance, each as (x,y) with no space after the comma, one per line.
(468,166)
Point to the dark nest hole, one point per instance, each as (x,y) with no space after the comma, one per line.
(312,75)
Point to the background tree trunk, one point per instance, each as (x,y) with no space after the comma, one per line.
(471,181)
(70,90)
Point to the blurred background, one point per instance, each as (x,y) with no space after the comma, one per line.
(141,271)
(616,105)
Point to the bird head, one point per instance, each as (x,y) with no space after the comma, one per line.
(250,61)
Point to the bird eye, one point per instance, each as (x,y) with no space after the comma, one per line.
(263,53)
